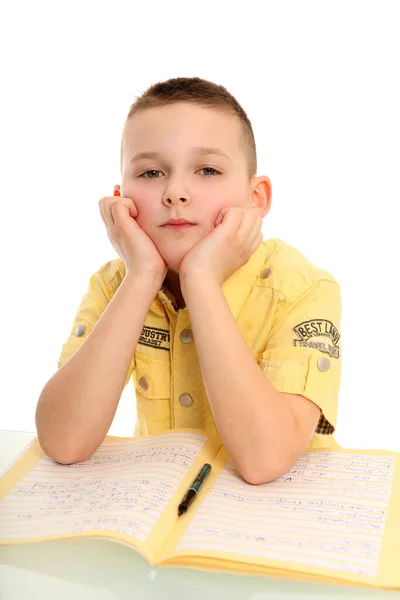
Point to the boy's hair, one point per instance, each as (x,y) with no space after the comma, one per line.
(203,93)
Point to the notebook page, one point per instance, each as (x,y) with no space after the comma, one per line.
(327,512)
(124,486)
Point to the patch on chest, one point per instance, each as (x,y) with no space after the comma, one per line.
(155,338)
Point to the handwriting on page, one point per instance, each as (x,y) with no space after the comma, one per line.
(328,510)
(123,486)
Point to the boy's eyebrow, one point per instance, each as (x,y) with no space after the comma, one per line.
(195,150)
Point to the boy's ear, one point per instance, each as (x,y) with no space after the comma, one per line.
(261,195)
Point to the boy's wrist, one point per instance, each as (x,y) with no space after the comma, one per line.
(197,277)
(146,281)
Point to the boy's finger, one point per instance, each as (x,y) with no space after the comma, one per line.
(218,219)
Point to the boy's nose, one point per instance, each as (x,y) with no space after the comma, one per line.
(177,201)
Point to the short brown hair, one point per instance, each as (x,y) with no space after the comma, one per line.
(201,92)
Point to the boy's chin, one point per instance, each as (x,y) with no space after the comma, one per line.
(173,257)
(174,262)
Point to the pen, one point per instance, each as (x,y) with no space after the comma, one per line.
(194,488)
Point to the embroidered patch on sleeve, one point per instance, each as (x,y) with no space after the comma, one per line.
(319,330)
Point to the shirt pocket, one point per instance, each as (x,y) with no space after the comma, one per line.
(153,390)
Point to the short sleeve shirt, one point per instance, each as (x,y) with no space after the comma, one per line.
(287,309)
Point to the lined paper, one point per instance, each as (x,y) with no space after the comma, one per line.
(329,510)
(123,486)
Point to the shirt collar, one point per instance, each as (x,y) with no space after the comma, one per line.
(237,287)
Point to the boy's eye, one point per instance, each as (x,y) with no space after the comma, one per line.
(210,169)
(151,171)
(157,171)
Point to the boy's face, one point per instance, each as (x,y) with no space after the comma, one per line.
(182,183)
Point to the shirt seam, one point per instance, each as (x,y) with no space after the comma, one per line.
(292,302)
(104,282)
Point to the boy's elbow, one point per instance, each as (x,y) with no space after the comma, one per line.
(57,454)
(60,453)
(259,479)
(56,448)
(260,476)
(64,458)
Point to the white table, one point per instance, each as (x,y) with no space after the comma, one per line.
(104,570)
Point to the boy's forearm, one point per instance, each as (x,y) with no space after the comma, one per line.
(77,405)
(253,422)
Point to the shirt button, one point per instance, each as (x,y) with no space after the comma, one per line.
(185,399)
(324,364)
(265,273)
(143,383)
(80,330)
(186,336)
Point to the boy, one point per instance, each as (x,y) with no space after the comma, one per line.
(222,330)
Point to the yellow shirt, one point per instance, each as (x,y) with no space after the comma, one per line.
(288,311)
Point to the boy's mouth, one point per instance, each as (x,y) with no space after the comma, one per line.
(179,226)
(179,223)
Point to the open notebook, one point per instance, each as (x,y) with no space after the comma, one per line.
(333,517)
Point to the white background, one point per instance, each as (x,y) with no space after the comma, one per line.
(320,83)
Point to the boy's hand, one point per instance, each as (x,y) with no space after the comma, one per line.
(133,245)
(227,247)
